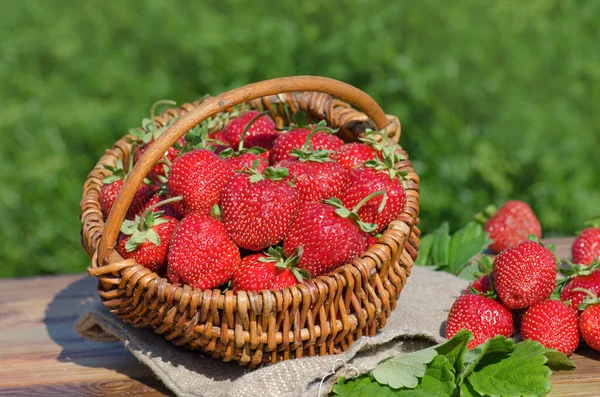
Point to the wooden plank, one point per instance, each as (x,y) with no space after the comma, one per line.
(42,355)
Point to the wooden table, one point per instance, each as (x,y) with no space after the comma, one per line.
(41,355)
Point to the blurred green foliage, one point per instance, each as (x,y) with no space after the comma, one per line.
(498,100)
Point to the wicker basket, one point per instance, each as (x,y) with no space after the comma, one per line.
(322,316)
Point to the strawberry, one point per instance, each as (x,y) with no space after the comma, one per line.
(354,154)
(201,254)
(167,209)
(586,246)
(329,234)
(199,177)
(295,139)
(240,157)
(589,321)
(239,162)
(257,208)
(510,225)
(524,275)
(481,285)
(372,176)
(267,271)
(146,239)
(314,174)
(160,168)
(583,277)
(112,186)
(261,130)
(483,316)
(553,324)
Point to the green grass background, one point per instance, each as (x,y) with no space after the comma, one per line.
(498,100)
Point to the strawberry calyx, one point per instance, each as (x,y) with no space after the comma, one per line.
(272,173)
(275,254)
(117,172)
(590,300)
(388,164)
(574,269)
(216,212)
(141,228)
(353,214)
(484,216)
(197,138)
(149,130)
(307,152)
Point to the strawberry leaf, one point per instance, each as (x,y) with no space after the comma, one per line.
(498,344)
(405,369)
(363,386)
(557,361)
(453,253)
(439,380)
(503,373)
(455,348)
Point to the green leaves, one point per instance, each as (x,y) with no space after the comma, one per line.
(503,373)
(362,386)
(496,368)
(404,370)
(453,253)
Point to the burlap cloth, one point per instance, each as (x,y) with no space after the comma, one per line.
(417,322)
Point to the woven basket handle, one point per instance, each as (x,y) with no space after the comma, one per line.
(212,106)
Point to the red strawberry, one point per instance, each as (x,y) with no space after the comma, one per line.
(294,139)
(372,176)
(329,234)
(510,225)
(147,238)
(589,321)
(261,132)
(258,208)
(372,240)
(201,254)
(352,154)
(483,316)
(199,177)
(240,162)
(314,174)
(586,246)
(553,324)
(481,285)
(285,279)
(167,209)
(267,271)
(159,169)
(111,187)
(239,158)
(586,277)
(524,275)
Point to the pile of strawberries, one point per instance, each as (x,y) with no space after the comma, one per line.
(521,291)
(241,204)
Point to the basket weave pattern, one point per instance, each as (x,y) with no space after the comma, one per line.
(321,316)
